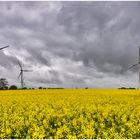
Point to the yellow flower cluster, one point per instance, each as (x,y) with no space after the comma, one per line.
(70,114)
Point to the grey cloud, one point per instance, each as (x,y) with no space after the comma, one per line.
(52,77)
(7,61)
(113,47)
(103,36)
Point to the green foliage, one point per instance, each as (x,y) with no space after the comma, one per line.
(3,84)
(13,87)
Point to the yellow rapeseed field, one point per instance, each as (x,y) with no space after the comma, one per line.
(70,113)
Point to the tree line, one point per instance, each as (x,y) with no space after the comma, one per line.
(5,86)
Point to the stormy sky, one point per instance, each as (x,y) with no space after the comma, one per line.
(70,44)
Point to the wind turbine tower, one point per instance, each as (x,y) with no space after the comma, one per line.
(21,75)
(138,68)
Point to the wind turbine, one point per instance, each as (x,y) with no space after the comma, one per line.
(4,47)
(21,74)
(139,68)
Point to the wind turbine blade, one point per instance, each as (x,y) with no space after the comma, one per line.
(4,47)
(19,75)
(27,70)
(134,65)
(20,65)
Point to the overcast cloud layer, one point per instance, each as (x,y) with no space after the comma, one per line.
(70,44)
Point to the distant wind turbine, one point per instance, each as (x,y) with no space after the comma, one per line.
(4,47)
(21,74)
(139,68)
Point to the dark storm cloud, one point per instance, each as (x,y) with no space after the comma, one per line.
(71,42)
(7,61)
(115,46)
